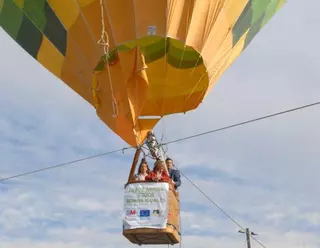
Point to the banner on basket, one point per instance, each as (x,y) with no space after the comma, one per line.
(145,205)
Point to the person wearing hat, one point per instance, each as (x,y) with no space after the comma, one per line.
(173,173)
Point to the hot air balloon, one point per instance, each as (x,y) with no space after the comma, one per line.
(136,61)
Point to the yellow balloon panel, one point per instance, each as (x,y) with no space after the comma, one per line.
(136,59)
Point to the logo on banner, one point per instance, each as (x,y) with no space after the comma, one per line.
(157,212)
(144,213)
(131,212)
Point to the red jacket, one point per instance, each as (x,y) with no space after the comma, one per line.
(164,176)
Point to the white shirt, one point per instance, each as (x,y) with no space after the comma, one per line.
(140,176)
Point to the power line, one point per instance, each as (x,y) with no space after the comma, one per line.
(242,123)
(63,164)
(257,241)
(166,143)
(224,212)
(175,141)
(229,127)
(201,191)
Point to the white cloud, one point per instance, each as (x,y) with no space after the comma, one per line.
(13,218)
(264,174)
(313,218)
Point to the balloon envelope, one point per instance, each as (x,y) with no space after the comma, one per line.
(159,57)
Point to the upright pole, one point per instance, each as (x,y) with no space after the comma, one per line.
(134,164)
(248,238)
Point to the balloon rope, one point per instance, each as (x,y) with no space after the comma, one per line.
(104,41)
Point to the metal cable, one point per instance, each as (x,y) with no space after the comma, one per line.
(224,212)
(63,164)
(242,123)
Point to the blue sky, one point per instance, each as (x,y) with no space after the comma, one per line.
(263,174)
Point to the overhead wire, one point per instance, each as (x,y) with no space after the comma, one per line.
(63,164)
(170,142)
(165,143)
(215,204)
(228,127)
(255,240)
(241,123)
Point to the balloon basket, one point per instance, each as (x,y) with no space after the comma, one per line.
(166,236)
